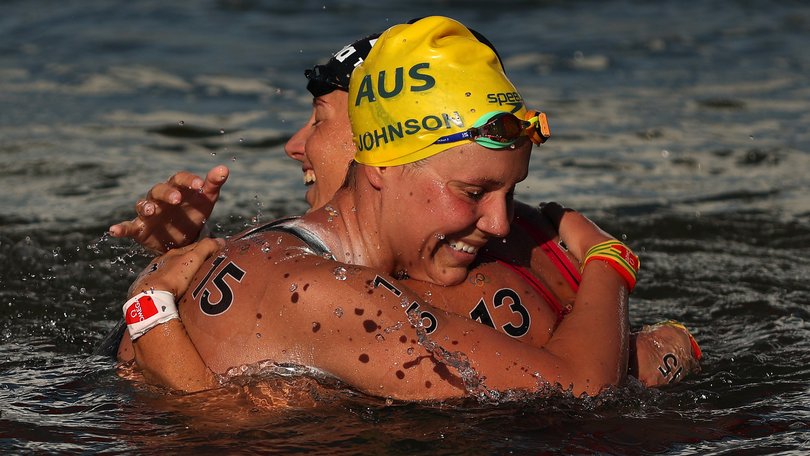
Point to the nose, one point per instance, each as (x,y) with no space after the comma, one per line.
(496,216)
(294,148)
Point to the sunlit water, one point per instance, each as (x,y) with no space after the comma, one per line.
(680,126)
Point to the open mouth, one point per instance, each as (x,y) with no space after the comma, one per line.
(309,177)
(461,246)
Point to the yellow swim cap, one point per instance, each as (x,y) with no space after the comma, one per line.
(420,82)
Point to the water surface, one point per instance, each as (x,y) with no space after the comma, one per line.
(680,126)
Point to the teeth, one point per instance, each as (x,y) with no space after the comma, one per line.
(463,247)
(309,177)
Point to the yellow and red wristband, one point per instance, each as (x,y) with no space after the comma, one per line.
(618,256)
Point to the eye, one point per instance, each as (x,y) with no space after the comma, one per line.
(474,194)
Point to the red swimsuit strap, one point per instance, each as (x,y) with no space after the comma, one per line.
(554,252)
(538,286)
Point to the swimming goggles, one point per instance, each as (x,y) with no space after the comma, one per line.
(498,129)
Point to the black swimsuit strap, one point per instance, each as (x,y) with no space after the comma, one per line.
(288,225)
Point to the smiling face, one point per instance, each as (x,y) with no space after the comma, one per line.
(439,212)
(324,147)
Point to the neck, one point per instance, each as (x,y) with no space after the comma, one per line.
(350,225)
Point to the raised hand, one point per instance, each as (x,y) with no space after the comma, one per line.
(174,212)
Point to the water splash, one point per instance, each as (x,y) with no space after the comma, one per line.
(473,382)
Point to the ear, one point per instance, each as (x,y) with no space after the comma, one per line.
(375,175)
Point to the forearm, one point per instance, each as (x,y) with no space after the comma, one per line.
(594,338)
(168,357)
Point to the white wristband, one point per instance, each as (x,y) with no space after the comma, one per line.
(146,310)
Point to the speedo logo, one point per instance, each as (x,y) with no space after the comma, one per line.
(506,98)
(417,81)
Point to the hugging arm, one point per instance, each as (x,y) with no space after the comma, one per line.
(173,212)
(660,354)
(165,353)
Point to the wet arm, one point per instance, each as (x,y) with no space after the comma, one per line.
(165,353)
(404,364)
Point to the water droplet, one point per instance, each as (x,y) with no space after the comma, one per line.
(213,154)
(233,159)
(409,351)
(222,131)
(338,312)
(266,248)
(379,337)
(241,140)
(467,94)
(472,110)
(340,273)
(665,153)
(181,123)
(258,335)
(439,236)
(393,328)
(293,287)
(331,211)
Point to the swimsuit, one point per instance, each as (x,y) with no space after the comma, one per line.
(557,257)
(290,225)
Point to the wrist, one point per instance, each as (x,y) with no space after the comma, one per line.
(148,309)
(618,256)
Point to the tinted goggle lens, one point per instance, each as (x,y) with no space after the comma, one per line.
(506,128)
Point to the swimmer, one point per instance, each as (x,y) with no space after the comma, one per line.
(521,315)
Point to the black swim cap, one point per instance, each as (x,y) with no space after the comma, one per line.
(335,74)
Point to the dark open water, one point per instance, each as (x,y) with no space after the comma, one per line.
(681,125)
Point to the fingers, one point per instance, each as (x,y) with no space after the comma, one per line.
(208,246)
(214,181)
(126,229)
(171,192)
(145,208)
(166,192)
(174,270)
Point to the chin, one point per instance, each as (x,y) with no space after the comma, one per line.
(450,276)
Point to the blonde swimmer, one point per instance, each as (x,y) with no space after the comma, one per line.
(461,244)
